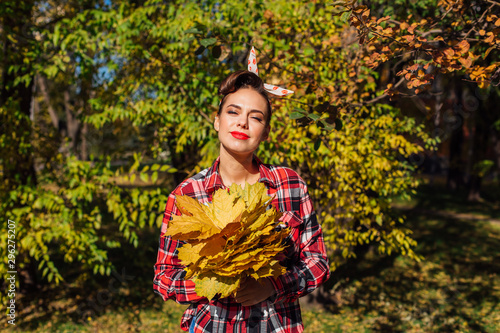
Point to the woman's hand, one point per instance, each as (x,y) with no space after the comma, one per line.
(252,292)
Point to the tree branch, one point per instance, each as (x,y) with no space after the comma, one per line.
(478,21)
(378,98)
(494,2)
(445,14)
(430,32)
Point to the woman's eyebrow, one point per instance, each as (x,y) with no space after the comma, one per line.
(239,108)
(235,106)
(255,110)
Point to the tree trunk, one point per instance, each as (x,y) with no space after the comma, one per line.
(72,122)
(484,117)
(474,188)
(496,149)
(42,83)
(83,147)
(454,180)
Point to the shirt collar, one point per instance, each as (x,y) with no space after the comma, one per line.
(213,180)
(266,176)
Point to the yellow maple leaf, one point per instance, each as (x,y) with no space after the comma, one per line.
(203,221)
(210,284)
(200,264)
(225,208)
(254,195)
(189,254)
(212,246)
(193,223)
(255,225)
(230,229)
(274,269)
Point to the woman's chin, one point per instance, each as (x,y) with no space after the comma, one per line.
(238,150)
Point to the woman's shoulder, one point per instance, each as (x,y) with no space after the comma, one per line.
(192,184)
(284,175)
(281,168)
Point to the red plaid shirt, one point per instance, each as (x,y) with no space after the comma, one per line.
(306,263)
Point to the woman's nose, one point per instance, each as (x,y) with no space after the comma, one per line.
(243,122)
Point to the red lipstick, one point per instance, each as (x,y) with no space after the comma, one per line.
(240,136)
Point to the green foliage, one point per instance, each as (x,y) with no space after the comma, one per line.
(404,8)
(162,63)
(67,219)
(353,176)
(73,212)
(481,168)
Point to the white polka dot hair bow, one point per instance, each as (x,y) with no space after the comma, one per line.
(252,67)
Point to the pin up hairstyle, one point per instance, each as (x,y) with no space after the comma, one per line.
(243,79)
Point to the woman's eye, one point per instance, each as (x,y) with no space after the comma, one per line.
(257,118)
(231,112)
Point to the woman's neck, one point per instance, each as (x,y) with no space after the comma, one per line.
(237,169)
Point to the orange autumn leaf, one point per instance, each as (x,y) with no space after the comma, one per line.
(490,37)
(449,52)
(463,46)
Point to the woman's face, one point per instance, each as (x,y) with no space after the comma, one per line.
(242,122)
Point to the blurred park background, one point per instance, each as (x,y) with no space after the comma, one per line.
(106,105)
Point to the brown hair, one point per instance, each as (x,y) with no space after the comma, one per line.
(243,79)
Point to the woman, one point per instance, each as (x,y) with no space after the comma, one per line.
(269,305)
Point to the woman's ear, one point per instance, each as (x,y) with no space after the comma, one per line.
(216,123)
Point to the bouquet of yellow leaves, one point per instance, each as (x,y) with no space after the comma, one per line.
(228,240)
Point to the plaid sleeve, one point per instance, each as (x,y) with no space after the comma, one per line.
(311,267)
(169,280)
